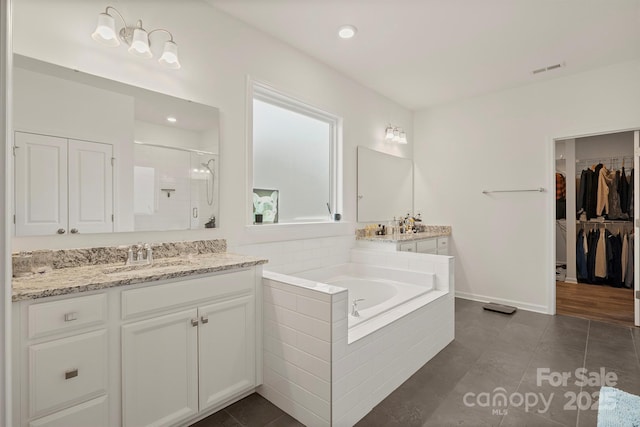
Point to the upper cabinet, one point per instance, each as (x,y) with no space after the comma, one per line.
(62,185)
(95,156)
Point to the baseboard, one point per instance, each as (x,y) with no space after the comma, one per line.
(571,280)
(521,305)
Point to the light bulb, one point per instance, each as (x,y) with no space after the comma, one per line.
(105,32)
(388,133)
(140,43)
(169,56)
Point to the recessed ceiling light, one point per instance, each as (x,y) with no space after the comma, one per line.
(172,119)
(347,31)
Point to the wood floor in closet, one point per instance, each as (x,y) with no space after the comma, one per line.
(603,303)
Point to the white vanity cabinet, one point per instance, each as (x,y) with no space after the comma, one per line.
(61,352)
(62,185)
(158,354)
(433,245)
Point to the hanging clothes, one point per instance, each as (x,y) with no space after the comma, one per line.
(602,207)
(581,257)
(623,191)
(630,196)
(581,195)
(614,257)
(592,191)
(625,256)
(615,211)
(592,240)
(628,279)
(601,257)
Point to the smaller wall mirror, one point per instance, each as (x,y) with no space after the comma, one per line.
(98,156)
(385,186)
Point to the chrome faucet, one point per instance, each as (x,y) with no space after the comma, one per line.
(140,254)
(354,307)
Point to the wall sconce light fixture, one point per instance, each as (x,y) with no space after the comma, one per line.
(395,134)
(136,37)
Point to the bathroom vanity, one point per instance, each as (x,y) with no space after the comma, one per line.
(108,344)
(433,241)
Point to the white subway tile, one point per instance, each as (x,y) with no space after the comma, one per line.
(280,297)
(280,366)
(281,332)
(313,365)
(339,330)
(343,366)
(313,384)
(314,346)
(314,308)
(339,310)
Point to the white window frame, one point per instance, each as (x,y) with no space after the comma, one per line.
(267,93)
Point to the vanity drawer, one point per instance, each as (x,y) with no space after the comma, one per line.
(427,246)
(94,413)
(66,371)
(67,314)
(142,301)
(407,247)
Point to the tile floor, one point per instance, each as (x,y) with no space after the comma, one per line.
(491,350)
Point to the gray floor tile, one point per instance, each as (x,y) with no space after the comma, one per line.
(285,420)
(219,419)
(531,319)
(454,412)
(565,323)
(553,403)
(254,410)
(608,332)
(521,336)
(519,418)
(612,359)
(410,405)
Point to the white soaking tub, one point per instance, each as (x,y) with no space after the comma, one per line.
(326,367)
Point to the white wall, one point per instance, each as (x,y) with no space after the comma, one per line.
(217,53)
(152,133)
(5,198)
(503,243)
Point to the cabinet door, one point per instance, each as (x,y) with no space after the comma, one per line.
(94,413)
(443,246)
(227,349)
(40,170)
(90,187)
(428,246)
(407,247)
(160,370)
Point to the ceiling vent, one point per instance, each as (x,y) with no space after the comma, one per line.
(549,68)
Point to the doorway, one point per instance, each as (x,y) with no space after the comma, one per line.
(595,230)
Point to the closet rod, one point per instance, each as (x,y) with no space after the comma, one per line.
(538,190)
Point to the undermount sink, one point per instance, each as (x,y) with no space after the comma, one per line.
(157,263)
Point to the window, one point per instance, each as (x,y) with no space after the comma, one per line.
(294,158)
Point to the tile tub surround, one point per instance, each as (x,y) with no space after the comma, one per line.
(431,231)
(316,373)
(198,258)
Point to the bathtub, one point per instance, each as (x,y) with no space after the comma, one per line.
(378,289)
(324,366)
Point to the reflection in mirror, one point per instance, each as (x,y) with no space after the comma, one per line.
(94,155)
(385,186)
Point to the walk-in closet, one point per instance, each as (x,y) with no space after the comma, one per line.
(595,227)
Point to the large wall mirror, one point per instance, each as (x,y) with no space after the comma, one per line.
(96,156)
(385,186)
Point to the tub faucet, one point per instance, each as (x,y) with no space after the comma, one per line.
(354,307)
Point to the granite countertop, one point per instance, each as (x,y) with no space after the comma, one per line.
(432,231)
(101,276)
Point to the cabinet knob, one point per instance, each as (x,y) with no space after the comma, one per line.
(74,230)
(71,374)
(61,231)
(204,319)
(194,322)
(69,317)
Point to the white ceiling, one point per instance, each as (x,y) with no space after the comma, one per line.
(422,53)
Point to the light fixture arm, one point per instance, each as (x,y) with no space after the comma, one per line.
(117,13)
(162,30)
